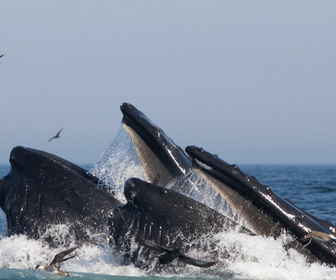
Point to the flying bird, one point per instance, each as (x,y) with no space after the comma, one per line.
(1,55)
(55,265)
(56,136)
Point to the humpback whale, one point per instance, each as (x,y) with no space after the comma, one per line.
(161,158)
(163,220)
(261,210)
(230,179)
(42,189)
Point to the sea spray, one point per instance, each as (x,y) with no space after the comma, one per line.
(257,257)
(19,252)
(3,223)
(117,164)
(196,187)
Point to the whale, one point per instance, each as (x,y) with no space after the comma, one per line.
(161,220)
(162,160)
(42,190)
(165,162)
(260,209)
(232,182)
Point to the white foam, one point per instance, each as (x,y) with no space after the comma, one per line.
(250,257)
(257,257)
(19,252)
(3,223)
(97,259)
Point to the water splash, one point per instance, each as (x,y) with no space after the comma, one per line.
(117,164)
(3,223)
(256,257)
(19,252)
(193,185)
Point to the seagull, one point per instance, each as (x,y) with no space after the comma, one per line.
(56,136)
(55,265)
(318,235)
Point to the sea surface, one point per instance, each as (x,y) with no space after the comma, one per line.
(310,187)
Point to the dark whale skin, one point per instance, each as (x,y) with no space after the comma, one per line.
(42,189)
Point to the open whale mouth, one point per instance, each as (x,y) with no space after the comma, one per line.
(161,158)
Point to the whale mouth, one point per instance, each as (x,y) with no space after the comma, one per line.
(161,158)
(138,120)
(146,129)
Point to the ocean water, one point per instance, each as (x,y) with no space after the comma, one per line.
(310,187)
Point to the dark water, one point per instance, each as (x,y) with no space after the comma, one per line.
(310,187)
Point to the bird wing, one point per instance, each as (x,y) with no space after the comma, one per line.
(58,133)
(59,257)
(56,136)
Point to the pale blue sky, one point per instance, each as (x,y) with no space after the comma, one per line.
(253,81)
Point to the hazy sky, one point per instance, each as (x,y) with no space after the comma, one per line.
(253,81)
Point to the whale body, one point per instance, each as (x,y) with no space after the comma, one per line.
(164,218)
(42,189)
(229,178)
(261,210)
(162,160)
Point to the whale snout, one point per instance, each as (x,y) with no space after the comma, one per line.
(17,157)
(130,188)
